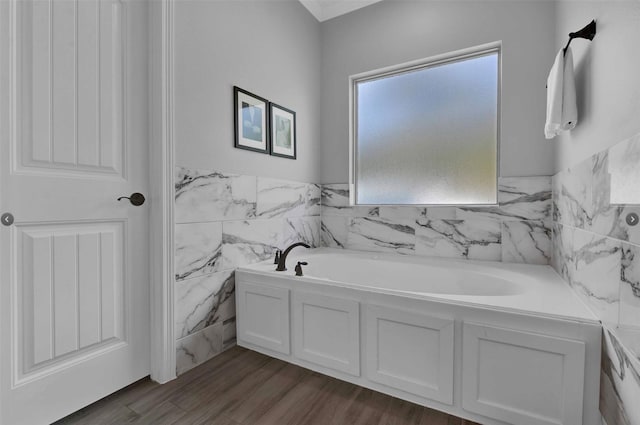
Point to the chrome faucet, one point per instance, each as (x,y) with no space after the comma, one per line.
(282,266)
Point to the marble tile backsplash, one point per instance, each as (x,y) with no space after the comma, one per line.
(598,254)
(224,221)
(517,230)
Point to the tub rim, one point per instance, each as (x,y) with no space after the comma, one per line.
(545,276)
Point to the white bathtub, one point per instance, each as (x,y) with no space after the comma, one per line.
(408,275)
(527,288)
(496,343)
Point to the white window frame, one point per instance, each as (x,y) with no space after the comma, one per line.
(449,57)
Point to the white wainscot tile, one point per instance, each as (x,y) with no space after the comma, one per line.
(335,231)
(409,212)
(526,242)
(314,201)
(555,195)
(335,202)
(630,287)
(562,258)
(624,158)
(609,219)
(377,234)
(247,242)
(573,195)
(629,336)
(441,213)
(198,249)
(211,196)
(596,276)
(335,195)
(474,213)
(519,198)
(620,389)
(199,301)
(476,239)
(283,198)
(402,212)
(229,333)
(363,211)
(199,347)
(621,230)
(525,198)
(605,216)
(226,300)
(302,229)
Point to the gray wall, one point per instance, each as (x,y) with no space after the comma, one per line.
(393,32)
(607,77)
(271,49)
(278,50)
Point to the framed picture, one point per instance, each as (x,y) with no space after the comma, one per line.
(283,132)
(251,119)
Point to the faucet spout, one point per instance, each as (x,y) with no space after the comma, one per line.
(282,265)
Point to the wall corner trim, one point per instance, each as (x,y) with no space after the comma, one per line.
(162,164)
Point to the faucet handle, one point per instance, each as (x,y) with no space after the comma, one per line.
(299,267)
(278,254)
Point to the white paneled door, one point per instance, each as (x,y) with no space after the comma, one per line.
(74,294)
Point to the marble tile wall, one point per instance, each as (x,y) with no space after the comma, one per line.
(224,221)
(517,230)
(598,254)
(619,382)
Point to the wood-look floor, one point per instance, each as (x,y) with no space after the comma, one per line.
(242,387)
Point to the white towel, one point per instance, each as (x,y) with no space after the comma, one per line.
(562,111)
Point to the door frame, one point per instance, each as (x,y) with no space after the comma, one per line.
(162,360)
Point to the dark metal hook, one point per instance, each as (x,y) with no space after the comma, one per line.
(588,32)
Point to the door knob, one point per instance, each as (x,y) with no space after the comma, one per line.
(136,199)
(7,219)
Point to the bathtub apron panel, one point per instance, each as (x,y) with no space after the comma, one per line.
(410,351)
(265,321)
(522,377)
(327,331)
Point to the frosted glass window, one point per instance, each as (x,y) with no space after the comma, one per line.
(428,135)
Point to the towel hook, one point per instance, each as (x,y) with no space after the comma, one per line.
(588,32)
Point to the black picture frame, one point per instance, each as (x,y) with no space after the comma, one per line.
(251,121)
(282,123)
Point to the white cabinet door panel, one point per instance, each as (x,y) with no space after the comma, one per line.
(326,331)
(411,352)
(522,378)
(263,316)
